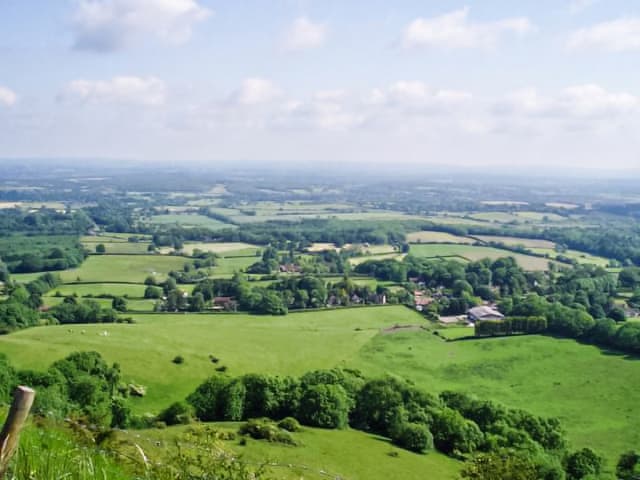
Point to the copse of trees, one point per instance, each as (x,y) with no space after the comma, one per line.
(510,326)
(454,423)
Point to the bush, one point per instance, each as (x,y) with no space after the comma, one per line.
(325,406)
(178,413)
(413,436)
(265,429)
(582,463)
(178,360)
(289,424)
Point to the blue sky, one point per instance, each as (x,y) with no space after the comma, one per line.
(546,83)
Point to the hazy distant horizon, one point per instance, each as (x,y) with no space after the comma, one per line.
(532,85)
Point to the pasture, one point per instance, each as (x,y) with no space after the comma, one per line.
(580,257)
(321,454)
(545,375)
(125,248)
(96,289)
(473,253)
(189,220)
(292,345)
(515,241)
(222,248)
(123,268)
(426,236)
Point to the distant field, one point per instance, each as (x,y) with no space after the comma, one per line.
(292,344)
(473,253)
(189,220)
(507,217)
(594,393)
(117,289)
(385,256)
(514,241)
(226,248)
(581,257)
(229,266)
(321,454)
(426,236)
(119,247)
(321,247)
(123,268)
(568,206)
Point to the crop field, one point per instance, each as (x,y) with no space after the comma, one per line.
(544,375)
(384,256)
(189,220)
(123,268)
(473,253)
(514,241)
(243,343)
(321,454)
(426,236)
(95,289)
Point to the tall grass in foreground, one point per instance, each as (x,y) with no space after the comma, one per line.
(51,454)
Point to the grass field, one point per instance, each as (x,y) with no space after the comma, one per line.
(280,345)
(437,237)
(384,256)
(472,253)
(189,220)
(547,376)
(228,266)
(594,393)
(123,268)
(321,454)
(580,257)
(94,289)
(119,247)
(224,248)
(525,216)
(514,241)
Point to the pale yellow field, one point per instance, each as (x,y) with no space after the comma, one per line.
(222,247)
(437,237)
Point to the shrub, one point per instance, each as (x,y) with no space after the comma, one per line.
(221,368)
(289,424)
(413,436)
(325,406)
(178,413)
(178,360)
(582,463)
(265,429)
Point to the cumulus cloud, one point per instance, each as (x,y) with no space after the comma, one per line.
(256,90)
(108,25)
(614,36)
(305,34)
(149,91)
(416,95)
(456,30)
(7,97)
(575,101)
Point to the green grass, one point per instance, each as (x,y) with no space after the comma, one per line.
(131,248)
(472,253)
(94,289)
(321,454)
(189,220)
(292,344)
(123,268)
(228,266)
(594,394)
(580,257)
(221,248)
(515,241)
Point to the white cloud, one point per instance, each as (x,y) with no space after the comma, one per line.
(416,95)
(614,36)
(575,101)
(7,97)
(149,91)
(255,91)
(578,6)
(305,34)
(455,30)
(108,25)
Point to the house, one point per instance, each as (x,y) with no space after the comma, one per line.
(224,303)
(290,268)
(483,313)
(421,300)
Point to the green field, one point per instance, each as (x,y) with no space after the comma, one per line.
(123,268)
(222,248)
(228,266)
(580,257)
(544,375)
(547,376)
(131,248)
(280,345)
(321,454)
(189,220)
(472,253)
(515,241)
(95,289)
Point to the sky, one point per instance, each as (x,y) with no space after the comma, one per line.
(532,84)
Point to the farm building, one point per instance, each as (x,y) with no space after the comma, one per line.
(483,313)
(421,300)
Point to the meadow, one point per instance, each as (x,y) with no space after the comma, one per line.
(222,248)
(189,220)
(427,236)
(123,268)
(320,454)
(473,253)
(96,289)
(118,247)
(580,257)
(515,241)
(593,392)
